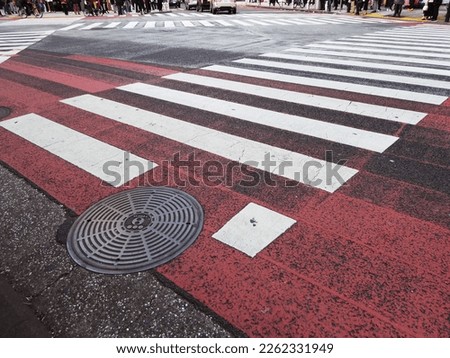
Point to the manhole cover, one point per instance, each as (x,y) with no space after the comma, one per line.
(135,230)
(4,112)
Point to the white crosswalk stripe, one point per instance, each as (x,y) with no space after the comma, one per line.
(347,73)
(302,125)
(229,146)
(363,64)
(92,26)
(371,56)
(250,78)
(394,50)
(387,113)
(83,151)
(12,43)
(131,25)
(180,20)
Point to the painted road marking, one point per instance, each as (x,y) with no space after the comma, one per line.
(87,153)
(112,25)
(340,46)
(206,23)
(267,20)
(187,23)
(224,23)
(437,51)
(336,85)
(359,138)
(131,25)
(393,37)
(431,33)
(3,58)
(71,27)
(253,229)
(258,22)
(277,22)
(169,24)
(363,109)
(229,146)
(348,73)
(13,43)
(91,26)
(149,24)
(381,66)
(381,40)
(243,23)
(370,56)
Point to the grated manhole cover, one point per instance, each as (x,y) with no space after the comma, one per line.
(4,112)
(135,230)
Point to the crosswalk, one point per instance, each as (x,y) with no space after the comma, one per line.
(12,43)
(287,108)
(200,20)
(395,78)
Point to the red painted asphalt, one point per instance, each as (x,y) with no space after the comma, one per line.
(370,260)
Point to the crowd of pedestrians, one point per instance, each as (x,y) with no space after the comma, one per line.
(121,7)
(430,9)
(88,7)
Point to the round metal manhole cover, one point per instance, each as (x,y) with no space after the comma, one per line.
(135,230)
(4,112)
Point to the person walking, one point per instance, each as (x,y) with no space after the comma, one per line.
(435,13)
(119,4)
(64,7)
(447,16)
(428,10)
(76,6)
(398,6)
(139,6)
(358,6)
(388,5)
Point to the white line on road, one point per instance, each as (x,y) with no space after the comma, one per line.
(340,46)
(415,42)
(112,25)
(365,65)
(229,146)
(243,23)
(187,23)
(371,56)
(206,23)
(335,85)
(363,109)
(131,25)
(359,138)
(71,27)
(87,153)
(169,24)
(224,23)
(258,22)
(401,80)
(400,46)
(91,26)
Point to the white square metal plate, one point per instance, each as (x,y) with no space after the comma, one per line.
(253,228)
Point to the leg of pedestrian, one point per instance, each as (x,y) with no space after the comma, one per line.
(447,16)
